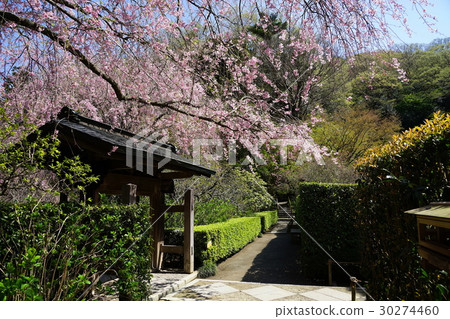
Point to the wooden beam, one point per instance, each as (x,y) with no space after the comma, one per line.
(176,175)
(63,198)
(189,232)
(171,249)
(112,184)
(96,198)
(121,179)
(174,208)
(117,191)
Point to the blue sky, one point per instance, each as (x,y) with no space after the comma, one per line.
(421,34)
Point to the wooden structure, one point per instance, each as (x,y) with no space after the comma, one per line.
(122,160)
(433,226)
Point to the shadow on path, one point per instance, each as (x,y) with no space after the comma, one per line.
(273,259)
(276,263)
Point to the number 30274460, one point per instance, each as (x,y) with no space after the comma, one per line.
(409,310)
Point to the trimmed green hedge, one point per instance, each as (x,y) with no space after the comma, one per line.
(217,241)
(54,252)
(268,219)
(328,213)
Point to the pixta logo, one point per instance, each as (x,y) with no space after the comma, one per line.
(148,152)
(215,150)
(152,152)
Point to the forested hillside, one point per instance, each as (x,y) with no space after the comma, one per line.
(367,99)
(386,91)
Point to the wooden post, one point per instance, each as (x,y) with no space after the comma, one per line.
(330,272)
(90,193)
(353,285)
(129,194)
(353,282)
(189,232)
(63,198)
(157,217)
(96,198)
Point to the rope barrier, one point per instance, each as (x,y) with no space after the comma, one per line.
(352,278)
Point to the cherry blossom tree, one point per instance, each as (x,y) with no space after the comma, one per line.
(184,68)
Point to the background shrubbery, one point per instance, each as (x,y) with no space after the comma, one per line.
(31,165)
(410,172)
(231,184)
(231,193)
(327,212)
(54,252)
(209,212)
(284,181)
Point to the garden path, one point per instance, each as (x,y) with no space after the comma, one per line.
(264,270)
(273,258)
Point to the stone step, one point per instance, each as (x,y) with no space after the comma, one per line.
(284,211)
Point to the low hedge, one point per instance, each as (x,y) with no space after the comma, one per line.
(268,219)
(54,252)
(328,213)
(218,241)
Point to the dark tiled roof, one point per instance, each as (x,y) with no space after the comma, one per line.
(98,132)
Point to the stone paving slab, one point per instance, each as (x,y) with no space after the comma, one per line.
(268,292)
(164,283)
(204,289)
(214,289)
(239,277)
(280,227)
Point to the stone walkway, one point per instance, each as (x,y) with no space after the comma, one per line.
(262,271)
(206,289)
(269,259)
(164,283)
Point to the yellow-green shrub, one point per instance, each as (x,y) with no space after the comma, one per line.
(408,172)
(268,219)
(217,241)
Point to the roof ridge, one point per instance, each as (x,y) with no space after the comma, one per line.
(71,115)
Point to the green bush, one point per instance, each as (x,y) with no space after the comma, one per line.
(328,213)
(24,162)
(283,181)
(209,212)
(232,184)
(220,240)
(207,270)
(407,173)
(217,241)
(214,211)
(55,252)
(268,219)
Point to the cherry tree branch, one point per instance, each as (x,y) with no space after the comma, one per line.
(8,17)
(31,25)
(71,16)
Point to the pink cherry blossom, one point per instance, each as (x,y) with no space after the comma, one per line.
(181,68)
